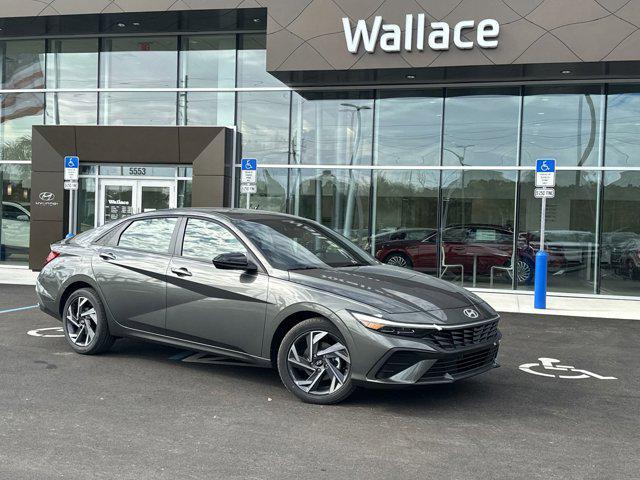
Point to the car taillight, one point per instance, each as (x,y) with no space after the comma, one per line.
(52,256)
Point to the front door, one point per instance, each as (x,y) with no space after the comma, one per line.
(122,198)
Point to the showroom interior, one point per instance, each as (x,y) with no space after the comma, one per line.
(428,168)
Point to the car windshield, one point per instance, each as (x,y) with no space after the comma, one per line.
(294,244)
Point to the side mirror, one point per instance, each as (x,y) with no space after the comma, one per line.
(234,261)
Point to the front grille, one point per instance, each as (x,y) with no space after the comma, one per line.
(461,363)
(450,339)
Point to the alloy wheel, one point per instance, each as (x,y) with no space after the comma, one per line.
(82,321)
(524,271)
(397,261)
(318,363)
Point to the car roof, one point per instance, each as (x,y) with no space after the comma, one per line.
(228,213)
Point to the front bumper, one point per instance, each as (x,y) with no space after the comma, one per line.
(380,359)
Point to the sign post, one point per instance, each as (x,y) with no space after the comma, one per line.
(545,184)
(71,169)
(249,178)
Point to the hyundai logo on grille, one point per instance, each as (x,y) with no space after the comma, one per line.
(471,313)
(47,196)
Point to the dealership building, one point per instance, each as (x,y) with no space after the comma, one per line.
(410,127)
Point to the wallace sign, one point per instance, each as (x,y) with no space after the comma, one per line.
(417,34)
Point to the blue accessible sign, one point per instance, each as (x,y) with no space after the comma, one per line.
(546,172)
(71,167)
(249,172)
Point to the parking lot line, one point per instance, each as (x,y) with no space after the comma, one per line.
(19,309)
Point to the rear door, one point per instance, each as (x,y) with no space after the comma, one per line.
(223,308)
(131,272)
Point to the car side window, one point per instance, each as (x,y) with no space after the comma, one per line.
(149,235)
(9,212)
(205,240)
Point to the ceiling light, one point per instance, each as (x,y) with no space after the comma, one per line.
(257,20)
(411,77)
(566,72)
(121,25)
(136,24)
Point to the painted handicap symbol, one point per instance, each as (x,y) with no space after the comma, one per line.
(549,367)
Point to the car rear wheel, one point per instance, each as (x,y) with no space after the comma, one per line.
(398,260)
(85,324)
(314,362)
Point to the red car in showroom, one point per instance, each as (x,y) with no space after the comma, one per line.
(486,246)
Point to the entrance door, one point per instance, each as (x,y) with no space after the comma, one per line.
(121,198)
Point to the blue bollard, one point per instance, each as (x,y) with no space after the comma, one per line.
(540,297)
(69,235)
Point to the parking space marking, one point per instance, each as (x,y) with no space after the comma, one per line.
(19,309)
(550,365)
(49,332)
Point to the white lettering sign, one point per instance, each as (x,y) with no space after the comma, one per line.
(394,39)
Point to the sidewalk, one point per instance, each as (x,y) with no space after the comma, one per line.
(558,304)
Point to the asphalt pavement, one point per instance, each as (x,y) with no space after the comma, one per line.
(145,411)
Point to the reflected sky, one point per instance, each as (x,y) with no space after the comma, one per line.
(206,240)
(152,235)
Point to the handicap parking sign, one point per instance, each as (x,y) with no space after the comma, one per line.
(546,172)
(249,164)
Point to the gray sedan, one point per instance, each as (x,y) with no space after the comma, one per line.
(269,289)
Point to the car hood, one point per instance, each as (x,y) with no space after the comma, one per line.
(390,289)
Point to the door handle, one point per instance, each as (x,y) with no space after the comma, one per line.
(182,272)
(106,256)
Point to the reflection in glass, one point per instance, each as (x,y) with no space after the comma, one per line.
(152,235)
(570,229)
(481,127)
(15,180)
(623,126)
(620,245)
(252,63)
(71,109)
(72,63)
(207,108)
(477,229)
(118,202)
(272,191)
(129,108)
(154,198)
(406,219)
(184,193)
(20,111)
(23,64)
(206,240)
(408,126)
(332,128)
(208,61)
(86,204)
(562,123)
(339,199)
(263,125)
(139,62)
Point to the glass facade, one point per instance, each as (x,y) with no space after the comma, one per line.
(435,179)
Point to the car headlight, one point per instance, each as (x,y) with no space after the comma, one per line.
(382,325)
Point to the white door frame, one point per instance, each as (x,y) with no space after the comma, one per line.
(136,185)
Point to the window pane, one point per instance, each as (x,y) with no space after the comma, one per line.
(184,193)
(477,236)
(562,123)
(139,62)
(339,199)
(138,108)
(15,213)
(72,109)
(152,235)
(332,128)
(252,63)
(23,64)
(86,204)
(263,125)
(206,240)
(73,63)
(623,127)
(406,219)
(570,229)
(208,61)
(481,127)
(408,127)
(20,111)
(620,252)
(207,108)
(272,189)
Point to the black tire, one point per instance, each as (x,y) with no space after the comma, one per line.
(102,339)
(294,335)
(398,260)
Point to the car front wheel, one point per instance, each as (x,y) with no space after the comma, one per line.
(85,324)
(314,362)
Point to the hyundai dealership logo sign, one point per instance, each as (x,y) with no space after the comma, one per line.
(436,36)
(47,196)
(46,199)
